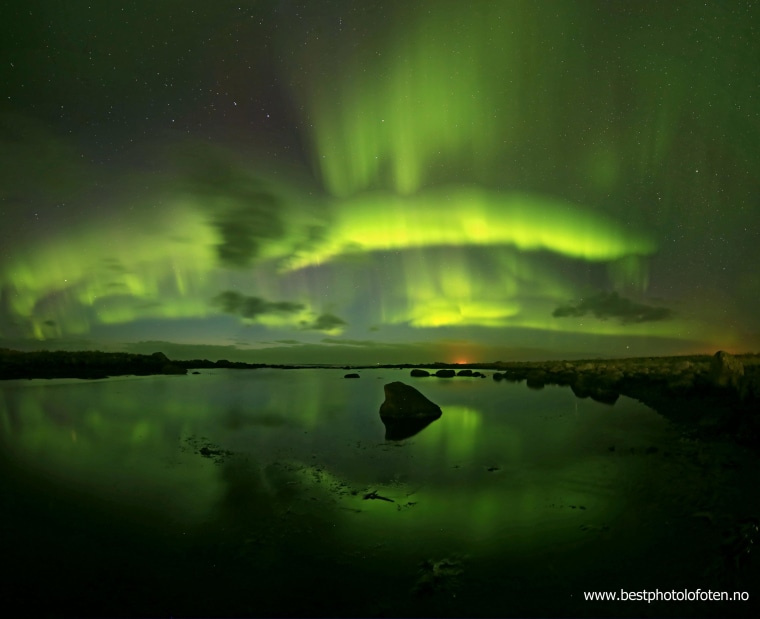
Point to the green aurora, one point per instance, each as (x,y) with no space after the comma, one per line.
(365,183)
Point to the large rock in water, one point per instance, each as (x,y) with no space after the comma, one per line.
(726,370)
(406,411)
(405,402)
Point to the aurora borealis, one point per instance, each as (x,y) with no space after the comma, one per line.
(380,182)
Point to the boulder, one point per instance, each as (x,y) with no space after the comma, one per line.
(597,389)
(420,373)
(726,370)
(445,373)
(351,376)
(405,402)
(514,376)
(536,379)
(464,373)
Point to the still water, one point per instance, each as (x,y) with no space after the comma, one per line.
(274,493)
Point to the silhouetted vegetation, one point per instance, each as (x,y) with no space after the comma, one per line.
(97,364)
(83,364)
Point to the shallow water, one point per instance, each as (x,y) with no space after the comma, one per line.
(243,493)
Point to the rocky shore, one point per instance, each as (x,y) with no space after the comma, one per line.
(16,364)
(718,395)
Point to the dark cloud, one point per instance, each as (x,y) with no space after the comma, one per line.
(324,322)
(286,342)
(246,213)
(114,265)
(347,342)
(232,302)
(149,305)
(244,228)
(611,305)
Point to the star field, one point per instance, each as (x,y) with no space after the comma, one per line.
(380,181)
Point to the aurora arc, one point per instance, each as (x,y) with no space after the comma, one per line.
(471,216)
(439,170)
(58,282)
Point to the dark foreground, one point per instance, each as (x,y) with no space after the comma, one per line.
(274,493)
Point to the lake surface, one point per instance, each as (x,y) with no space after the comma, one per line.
(242,493)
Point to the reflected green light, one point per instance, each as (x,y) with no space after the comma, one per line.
(469,216)
(109,444)
(458,436)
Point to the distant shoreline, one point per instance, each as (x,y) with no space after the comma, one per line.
(716,395)
(16,364)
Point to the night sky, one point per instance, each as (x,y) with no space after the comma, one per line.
(377,182)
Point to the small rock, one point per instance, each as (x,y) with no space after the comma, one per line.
(437,576)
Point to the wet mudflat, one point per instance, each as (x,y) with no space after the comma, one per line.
(272,493)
